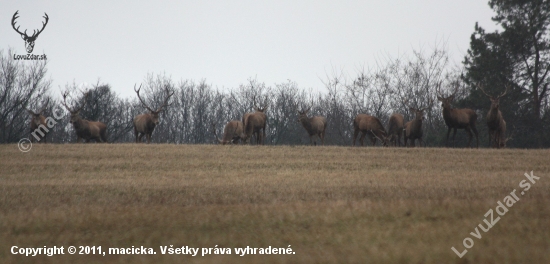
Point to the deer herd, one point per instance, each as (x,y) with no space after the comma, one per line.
(253,124)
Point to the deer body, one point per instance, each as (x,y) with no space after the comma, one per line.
(232,132)
(459,119)
(395,128)
(37,120)
(89,130)
(85,129)
(254,125)
(315,126)
(145,124)
(495,121)
(413,128)
(371,126)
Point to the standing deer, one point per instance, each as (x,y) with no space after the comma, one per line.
(458,118)
(38,121)
(495,121)
(232,132)
(254,123)
(371,126)
(85,129)
(413,128)
(395,129)
(145,124)
(315,126)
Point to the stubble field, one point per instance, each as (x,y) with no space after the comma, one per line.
(329,204)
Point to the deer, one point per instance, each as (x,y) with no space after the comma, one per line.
(254,123)
(315,126)
(495,121)
(85,129)
(232,132)
(29,40)
(371,126)
(395,129)
(145,124)
(413,128)
(464,118)
(38,121)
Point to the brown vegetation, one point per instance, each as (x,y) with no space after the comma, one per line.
(331,204)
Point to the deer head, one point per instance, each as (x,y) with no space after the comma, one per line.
(75,111)
(29,40)
(155,113)
(495,101)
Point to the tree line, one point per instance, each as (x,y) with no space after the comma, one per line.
(517,57)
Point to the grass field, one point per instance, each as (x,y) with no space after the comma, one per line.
(330,204)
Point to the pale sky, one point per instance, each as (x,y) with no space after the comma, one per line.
(228,42)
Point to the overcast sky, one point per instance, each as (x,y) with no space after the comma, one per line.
(228,42)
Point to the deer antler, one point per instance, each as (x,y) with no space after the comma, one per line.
(141,100)
(35,34)
(45,106)
(170,93)
(481,88)
(64,103)
(13,23)
(505,92)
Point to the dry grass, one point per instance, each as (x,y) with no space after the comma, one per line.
(332,204)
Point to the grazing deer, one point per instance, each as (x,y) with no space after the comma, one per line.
(145,124)
(413,128)
(254,123)
(232,132)
(495,121)
(315,126)
(38,122)
(371,126)
(85,129)
(395,129)
(458,118)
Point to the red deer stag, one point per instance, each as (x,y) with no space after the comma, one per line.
(254,123)
(495,121)
(145,124)
(371,126)
(395,129)
(413,128)
(85,129)
(38,122)
(458,118)
(315,126)
(232,132)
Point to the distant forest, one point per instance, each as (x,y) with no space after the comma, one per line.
(515,59)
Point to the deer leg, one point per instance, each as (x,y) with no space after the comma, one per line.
(469,136)
(140,137)
(362,139)
(475,132)
(137,134)
(355,133)
(454,136)
(421,142)
(148,138)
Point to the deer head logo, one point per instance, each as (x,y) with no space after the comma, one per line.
(29,40)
